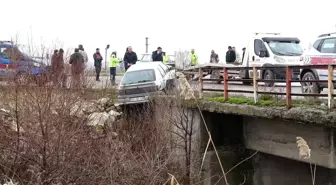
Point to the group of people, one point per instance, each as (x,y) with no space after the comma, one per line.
(78,61)
(231,56)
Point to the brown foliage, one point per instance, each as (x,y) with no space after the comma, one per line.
(43,143)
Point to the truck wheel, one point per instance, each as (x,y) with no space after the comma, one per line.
(219,82)
(247,83)
(243,74)
(268,75)
(309,87)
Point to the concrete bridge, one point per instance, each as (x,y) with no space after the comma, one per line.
(269,133)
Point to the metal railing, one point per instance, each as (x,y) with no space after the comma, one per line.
(256,79)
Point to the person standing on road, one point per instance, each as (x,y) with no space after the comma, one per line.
(237,61)
(97,63)
(230,56)
(214,57)
(194,58)
(60,74)
(194,62)
(130,58)
(113,66)
(86,59)
(165,57)
(215,74)
(54,66)
(76,61)
(157,56)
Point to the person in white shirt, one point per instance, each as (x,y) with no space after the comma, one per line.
(238,59)
(86,59)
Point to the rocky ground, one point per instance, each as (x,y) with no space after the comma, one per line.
(97,113)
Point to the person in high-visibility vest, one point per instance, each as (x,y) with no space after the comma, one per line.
(165,57)
(113,66)
(194,58)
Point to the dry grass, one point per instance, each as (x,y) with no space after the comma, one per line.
(45,141)
(304,152)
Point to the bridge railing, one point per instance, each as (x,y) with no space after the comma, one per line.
(255,80)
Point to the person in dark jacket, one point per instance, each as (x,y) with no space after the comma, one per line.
(97,63)
(157,56)
(130,58)
(230,55)
(76,61)
(54,66)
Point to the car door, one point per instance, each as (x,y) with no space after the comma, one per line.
(161,78)
(258,46)
(166,71)
(253,54)
(4,61)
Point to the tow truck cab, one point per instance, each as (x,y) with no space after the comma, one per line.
(270,49)
(13,62)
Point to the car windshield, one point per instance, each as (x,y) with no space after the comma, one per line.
(146,58)
(286,48)
(141,76)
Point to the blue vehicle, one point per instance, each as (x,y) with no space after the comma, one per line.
(15,64)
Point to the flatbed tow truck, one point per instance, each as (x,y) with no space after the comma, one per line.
(193,71)
(262,50)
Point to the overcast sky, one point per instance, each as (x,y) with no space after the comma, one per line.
(171,24)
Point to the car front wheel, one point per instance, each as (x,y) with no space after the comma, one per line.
(309,87)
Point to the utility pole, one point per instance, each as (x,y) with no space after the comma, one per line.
(147,44)
(106,60)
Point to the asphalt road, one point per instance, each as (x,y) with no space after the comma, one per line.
(279,87)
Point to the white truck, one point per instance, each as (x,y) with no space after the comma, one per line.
(266,49)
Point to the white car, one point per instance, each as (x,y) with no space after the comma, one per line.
(322,52)
(144,78)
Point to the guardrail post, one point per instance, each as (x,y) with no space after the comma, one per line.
(200,80)
(330,86)
(288,87)
(226,83)
(255,84)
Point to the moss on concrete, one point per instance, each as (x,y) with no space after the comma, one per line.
(297,114)
(269,101)
(270,109)
(248,101)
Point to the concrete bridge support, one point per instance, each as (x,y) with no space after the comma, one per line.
(236,137)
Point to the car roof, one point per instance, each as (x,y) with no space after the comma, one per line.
(6,44)
(144,65)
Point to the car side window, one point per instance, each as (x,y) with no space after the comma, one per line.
(161,71)
(164,67)
(328,46)
(258,45)
(316,44)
